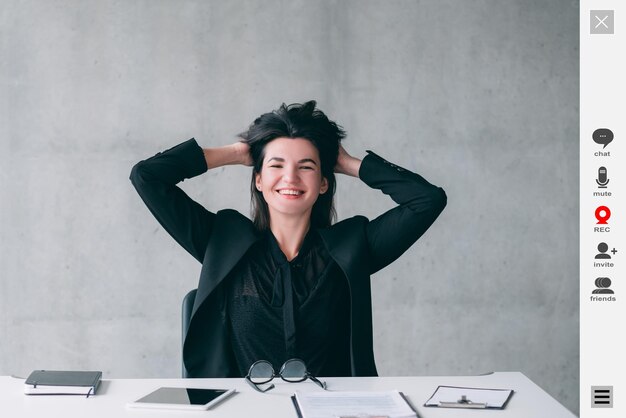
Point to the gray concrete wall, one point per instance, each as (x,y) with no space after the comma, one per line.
(481,97)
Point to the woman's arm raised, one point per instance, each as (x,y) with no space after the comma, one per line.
(419,204)
(156,179)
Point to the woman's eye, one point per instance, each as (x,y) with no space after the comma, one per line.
(306,167)
(276,166)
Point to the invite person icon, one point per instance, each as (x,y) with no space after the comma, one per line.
(602,255)
(603,284)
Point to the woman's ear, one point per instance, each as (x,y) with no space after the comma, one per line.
(257,181)
(324,185)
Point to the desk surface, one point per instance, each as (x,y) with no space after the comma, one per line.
(529,400)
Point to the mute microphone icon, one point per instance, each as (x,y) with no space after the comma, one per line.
(602,180)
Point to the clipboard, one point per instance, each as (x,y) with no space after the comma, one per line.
(469,398)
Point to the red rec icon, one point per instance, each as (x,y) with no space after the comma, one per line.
(603,214)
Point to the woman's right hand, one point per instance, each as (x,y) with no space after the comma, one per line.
(347,164)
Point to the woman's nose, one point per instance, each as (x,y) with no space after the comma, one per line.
(291,174)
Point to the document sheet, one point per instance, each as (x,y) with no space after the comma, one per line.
(351,404)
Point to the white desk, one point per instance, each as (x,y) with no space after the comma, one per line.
(528,400)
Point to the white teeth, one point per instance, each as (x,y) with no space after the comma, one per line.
(290,192)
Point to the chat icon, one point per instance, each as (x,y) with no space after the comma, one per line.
(602,136)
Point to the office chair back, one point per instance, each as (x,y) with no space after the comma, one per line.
(188,301)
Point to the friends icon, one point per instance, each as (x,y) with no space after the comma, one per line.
(602,286)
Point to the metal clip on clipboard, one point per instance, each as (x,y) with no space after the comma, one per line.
(463,403)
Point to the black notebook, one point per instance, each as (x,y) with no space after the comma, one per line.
(60,382)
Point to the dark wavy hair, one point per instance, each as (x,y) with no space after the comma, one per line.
(295,121)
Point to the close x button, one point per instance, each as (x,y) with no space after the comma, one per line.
(602,22)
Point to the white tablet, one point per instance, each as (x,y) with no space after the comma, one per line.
(182,398)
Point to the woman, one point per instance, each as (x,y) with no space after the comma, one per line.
(289,283)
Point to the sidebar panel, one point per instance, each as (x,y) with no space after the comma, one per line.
(602,209)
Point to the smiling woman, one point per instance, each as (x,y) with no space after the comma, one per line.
(290,283)
(319,136)
(290,181)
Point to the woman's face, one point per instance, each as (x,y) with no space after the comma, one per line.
(291,176)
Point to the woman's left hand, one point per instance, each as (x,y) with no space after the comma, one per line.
(347,164)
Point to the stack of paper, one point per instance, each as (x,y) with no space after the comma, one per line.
(390,404)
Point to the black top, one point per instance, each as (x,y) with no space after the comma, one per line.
(280,309)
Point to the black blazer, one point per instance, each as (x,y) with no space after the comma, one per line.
(219,240)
